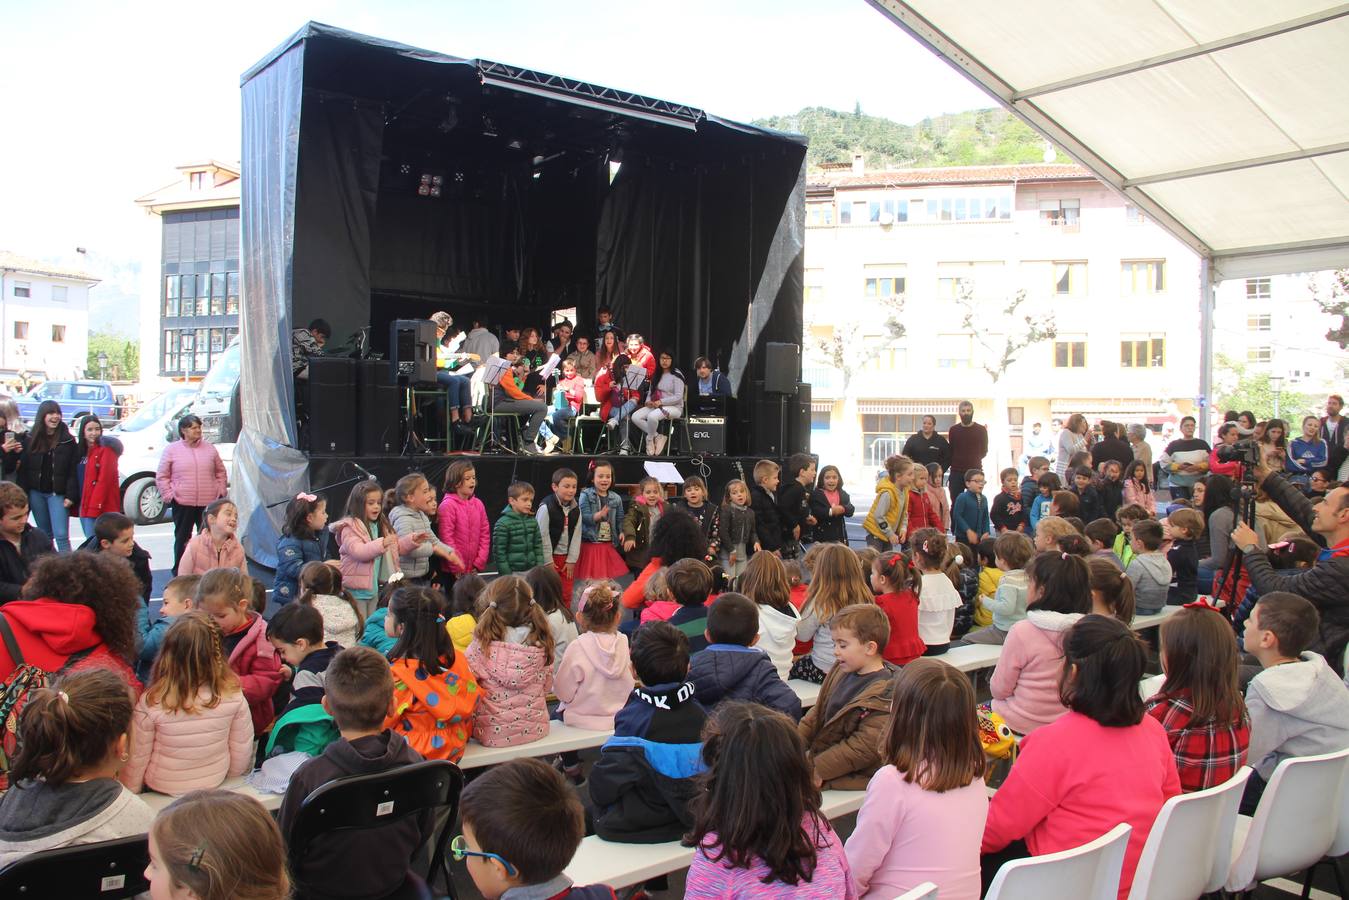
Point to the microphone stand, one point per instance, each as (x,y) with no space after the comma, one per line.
(364,476)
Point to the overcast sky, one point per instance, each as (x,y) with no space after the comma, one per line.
(103,100)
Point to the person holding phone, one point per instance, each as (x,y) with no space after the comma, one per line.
(48,469)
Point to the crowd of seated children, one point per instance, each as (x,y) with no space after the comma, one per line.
(297,633)
(924,812)
(1050,530)
(730,667)
(547,588)
(843,729)
(226,595)
(368,548)
(63,786)
(595,677)
(831,506)
(1025,682)
(939,598)
(559,519)
(1011,552)
(178,599)
(887,522)
(1103,762)
(838,582)
(512,659)
(1148,570)
(1075,544)
(115,534)
(522,824)
(765,582)
(986,558)
(640,788)
(897,585)
(1200,704)
(1297,705)
(217,845)
(409,507)
(517,545)
(302,539)
(321,588)
(1112,593)
(435,692)
(359,695)
(757,826)
(192,727)
(738,532)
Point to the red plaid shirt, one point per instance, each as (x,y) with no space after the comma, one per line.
(1207,755)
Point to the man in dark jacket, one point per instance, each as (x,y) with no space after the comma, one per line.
(1326,584)
(1111,447)
(20,543)
(641,786)
(730,668)
(116,534)
(358,692)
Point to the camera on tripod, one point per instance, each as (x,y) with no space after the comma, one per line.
(1246,452)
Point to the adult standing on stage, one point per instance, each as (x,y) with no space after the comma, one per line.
(480,341)
(1072,439)
(927,445)
(1334,431)
(191,475)
(969,446)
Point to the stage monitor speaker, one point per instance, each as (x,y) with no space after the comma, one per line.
(412,350)
(331,385)
(378,409)
(782,368)
(708,436)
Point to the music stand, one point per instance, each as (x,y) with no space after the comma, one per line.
(494,369)
(633,379)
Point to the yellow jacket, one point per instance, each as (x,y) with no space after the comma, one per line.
(896,513)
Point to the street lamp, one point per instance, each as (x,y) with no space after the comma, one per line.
(103,372)
(1276,385)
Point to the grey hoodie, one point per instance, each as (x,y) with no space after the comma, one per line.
(1151,575)
(37,816)
(406,520)
(1297,709)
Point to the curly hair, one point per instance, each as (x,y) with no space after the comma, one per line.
(677,536)
(100,581)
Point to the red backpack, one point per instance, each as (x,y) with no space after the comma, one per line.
(14,694)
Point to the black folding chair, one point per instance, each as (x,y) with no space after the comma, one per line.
(108,870)
(371,802)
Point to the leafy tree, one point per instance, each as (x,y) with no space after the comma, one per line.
(1237,387)
(124,356)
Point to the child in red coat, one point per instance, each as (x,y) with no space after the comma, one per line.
(897,584)
(922,514)
(227,597)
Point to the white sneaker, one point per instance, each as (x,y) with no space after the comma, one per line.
(659,442)
(550,443)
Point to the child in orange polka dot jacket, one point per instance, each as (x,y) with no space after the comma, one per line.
(434,691)
(512,658)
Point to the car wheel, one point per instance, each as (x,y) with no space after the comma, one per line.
(142,503)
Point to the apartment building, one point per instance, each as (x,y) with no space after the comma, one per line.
(44,320)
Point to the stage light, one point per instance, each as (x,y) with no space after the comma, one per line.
(515,144)
(424,190)
(437,181)
(405,169)
(426,178)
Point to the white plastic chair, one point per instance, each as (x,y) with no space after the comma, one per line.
(925,891)
(1190,831)
(1339,847)
(1089,872)
(1295,823)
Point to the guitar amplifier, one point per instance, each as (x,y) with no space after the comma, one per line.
(708,436)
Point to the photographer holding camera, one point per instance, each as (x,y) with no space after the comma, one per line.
(1224,459)
(1326,585)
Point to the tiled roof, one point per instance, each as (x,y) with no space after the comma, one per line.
(950,175)
(38,267)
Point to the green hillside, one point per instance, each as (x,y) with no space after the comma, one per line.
(971,138)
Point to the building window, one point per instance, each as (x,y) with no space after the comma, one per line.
(1070,278)
(884,287)
(950,287)
(820,214)
(953,351)
(1145,276)
(200,341)
(1133,215)
(1064,215)
(1143,352)
(884,434)
(58,334)
(197,181)
(59,293)
(1259,354)
(170,351)
(203,295)
(887,212)
(1259,322)
(231,293)
(171,296)
(844,214)
(218,293)
(20,331)
(23,289)
(1257,289)
(1070,354)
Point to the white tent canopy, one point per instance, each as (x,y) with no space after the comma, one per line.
(1226,122)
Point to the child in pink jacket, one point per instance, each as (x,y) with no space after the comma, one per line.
(368,548)
(216,547)
(512,658)
(192,727)
(461,519)
(595,677)
(1025,684)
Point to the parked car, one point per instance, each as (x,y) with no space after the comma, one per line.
(76,399)
(144,436)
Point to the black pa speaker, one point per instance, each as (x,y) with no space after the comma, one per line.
(412,350)
(708,436)
(798,423)
(332,422)
(782,368)
(378,408)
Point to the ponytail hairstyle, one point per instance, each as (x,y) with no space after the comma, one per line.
(599,607)
(72,726)
(227,586)
(222,846)
(455,475)
(838,582)
(1060,582)
(929,548)
(1114,587)
(465,593)
(390,502)
(1199,654)
(509,603)
(298,512)
(356,505)
(404,487)
(765,582)
(424,638)
(1075,545)
(319,578)
(897,466)
(546,586)
(1102,664)
(897,569)
(191,658)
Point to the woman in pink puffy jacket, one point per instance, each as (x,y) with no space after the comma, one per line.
(191,475)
